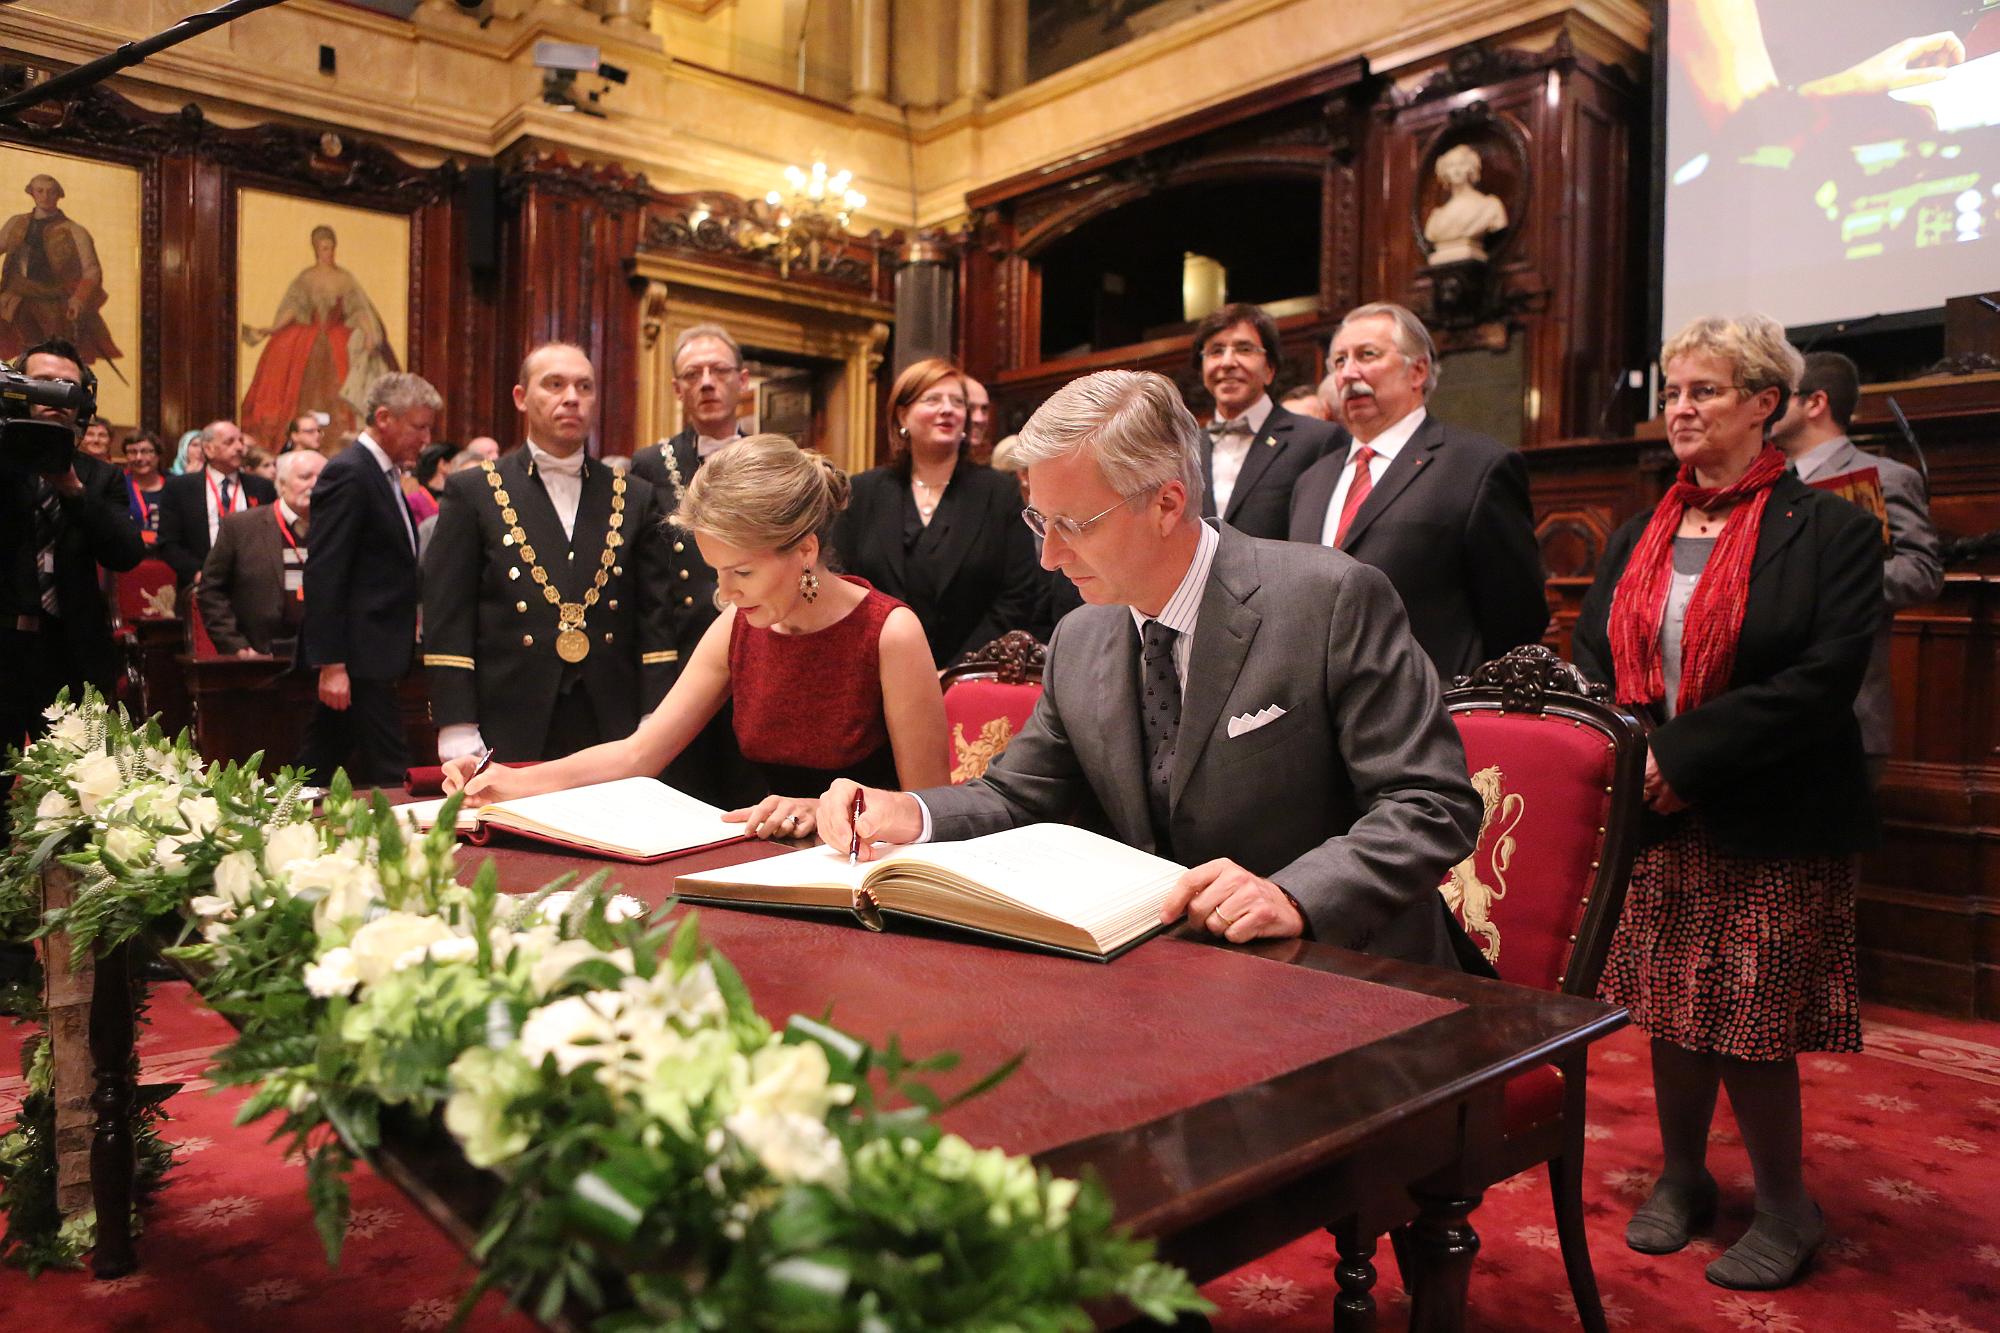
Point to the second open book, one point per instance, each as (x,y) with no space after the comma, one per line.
(1049,885)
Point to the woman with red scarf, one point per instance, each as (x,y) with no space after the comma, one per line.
(1738,615)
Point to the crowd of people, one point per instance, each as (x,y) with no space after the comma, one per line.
(1250,624)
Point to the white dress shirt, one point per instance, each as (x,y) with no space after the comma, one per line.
(1179,614)
(1386,446)
(395,476)
(562,478)
(1227,452)
(237,500)
(704,446)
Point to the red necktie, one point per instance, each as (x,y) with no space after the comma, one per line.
(1357,491)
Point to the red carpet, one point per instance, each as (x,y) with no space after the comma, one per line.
(1900,1147)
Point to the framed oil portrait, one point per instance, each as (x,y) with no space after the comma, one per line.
(70,245)
(322,308)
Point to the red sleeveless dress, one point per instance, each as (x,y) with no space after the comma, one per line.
(808,707)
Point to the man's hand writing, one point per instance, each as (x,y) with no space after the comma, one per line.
(887,816)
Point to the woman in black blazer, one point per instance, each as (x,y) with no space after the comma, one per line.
(1739,614)
(936,530)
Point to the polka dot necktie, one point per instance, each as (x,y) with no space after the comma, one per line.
(1160,724)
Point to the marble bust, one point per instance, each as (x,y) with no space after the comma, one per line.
(1457,228)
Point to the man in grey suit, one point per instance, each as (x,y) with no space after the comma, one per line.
(1813,435)
(1441,510)
(1253,708)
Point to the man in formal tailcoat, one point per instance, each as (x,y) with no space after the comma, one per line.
(193,506)
(545,585)
(1813,435)
(1254,709)
(708,379)
(252,592)
(360,627)
(1442,511)
(1254,450)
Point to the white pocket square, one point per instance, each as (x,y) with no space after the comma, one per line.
(1243,723)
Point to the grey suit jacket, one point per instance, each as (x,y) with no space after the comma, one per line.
(242,588)
(1913,573)
(1355,801)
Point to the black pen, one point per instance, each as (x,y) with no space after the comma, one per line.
(485,762)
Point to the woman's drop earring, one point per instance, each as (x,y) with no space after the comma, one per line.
(809,586)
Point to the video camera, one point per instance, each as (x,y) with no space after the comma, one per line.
(40,446)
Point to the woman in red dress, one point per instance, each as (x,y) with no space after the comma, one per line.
(326,345)
(828,677)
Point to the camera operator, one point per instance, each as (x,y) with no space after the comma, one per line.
(56,528)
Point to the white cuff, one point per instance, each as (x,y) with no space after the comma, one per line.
(458,739)
(925,811)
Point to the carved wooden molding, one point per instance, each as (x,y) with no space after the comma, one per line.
(607,184)
(1527,676)
(1015,658)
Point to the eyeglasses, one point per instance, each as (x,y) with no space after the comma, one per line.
(1068,528)
(1243,351)
(934,401)
(694,375)
(1700,393)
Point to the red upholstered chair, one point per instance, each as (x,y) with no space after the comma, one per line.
(1559,769)
(146,591)
(988,696)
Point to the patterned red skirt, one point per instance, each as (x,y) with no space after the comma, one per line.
(1747,957)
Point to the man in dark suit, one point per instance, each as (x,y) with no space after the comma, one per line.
(193,506)
(1254,450)
(252,591)
(1254,709)
(360,628)
(546,628)
(1812,433)
(55,530)
(708,379)
(1443,512)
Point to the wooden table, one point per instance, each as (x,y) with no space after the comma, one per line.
(1357,1142)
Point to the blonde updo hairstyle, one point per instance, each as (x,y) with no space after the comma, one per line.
(1755,348)
(764,493)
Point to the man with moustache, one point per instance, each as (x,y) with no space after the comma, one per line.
(252,592)
(708,379)
(193,505)
(1442,511)
(360,627)
(546,625)
(1255,450)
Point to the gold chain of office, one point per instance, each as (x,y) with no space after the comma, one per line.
(572,642)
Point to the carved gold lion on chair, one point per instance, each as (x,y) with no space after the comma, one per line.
(1470,896)
(974,756)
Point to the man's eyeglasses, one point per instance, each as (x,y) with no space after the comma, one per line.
(1243,351)
(694,375)
(1069,529)
(1701,393)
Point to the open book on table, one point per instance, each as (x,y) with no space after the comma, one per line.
(1060,888)
(632,819)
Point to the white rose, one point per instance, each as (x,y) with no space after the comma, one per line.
(556,905)
(236,877)
(286,843)
(334,974)
(457,949)
(168,850)
(97,779)
(562,956)
(791,1080)
(215,932)
(208,905)
(792,1147)
(129,845)
(55,808)
(575,1030)
(346,888)
(200,813)
(624,907)
(385,944)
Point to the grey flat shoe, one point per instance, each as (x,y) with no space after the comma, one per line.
(1668,1218)
(1772,1254)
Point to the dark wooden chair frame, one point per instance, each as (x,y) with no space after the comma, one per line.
(1015,658)
(1534,680)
